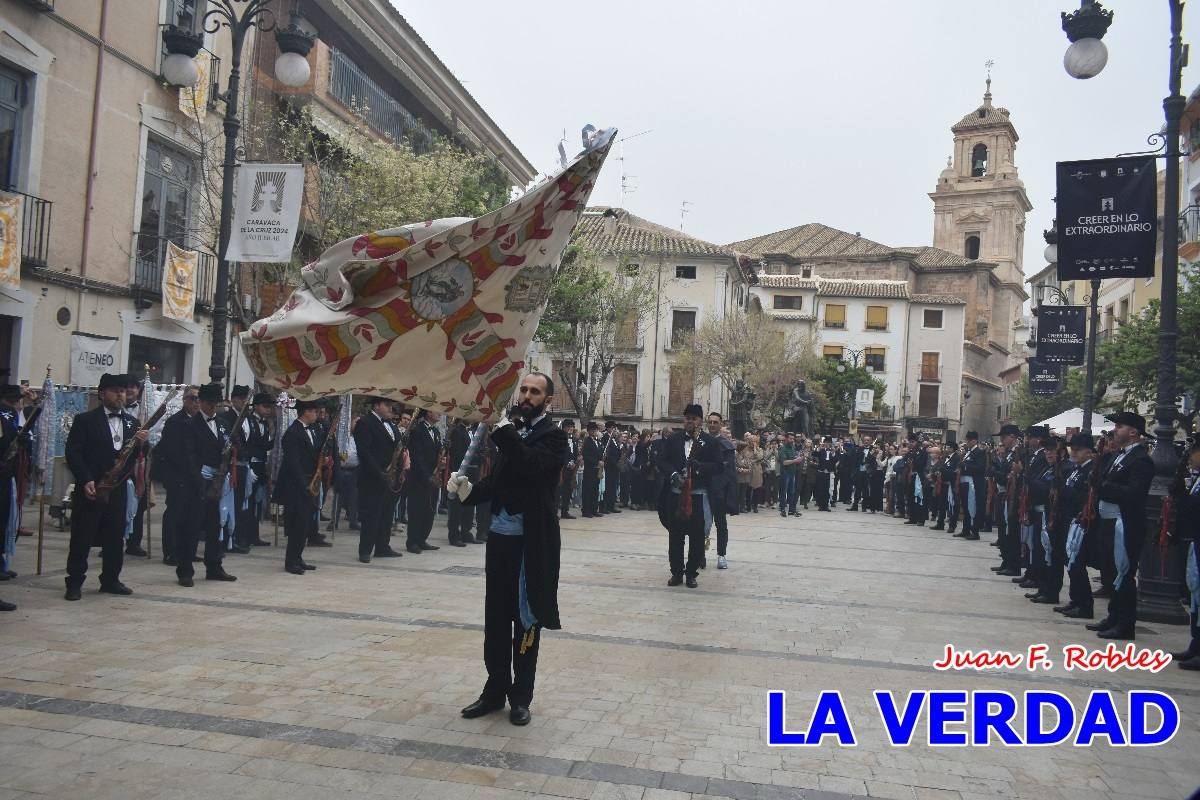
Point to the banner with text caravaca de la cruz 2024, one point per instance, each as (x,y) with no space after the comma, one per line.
(1107,218)
(266,212)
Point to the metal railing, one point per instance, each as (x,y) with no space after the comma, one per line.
(149,256)
(1189,224)
(35,228)
(354,89)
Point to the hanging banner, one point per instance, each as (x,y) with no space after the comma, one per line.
(1107,218)
(266,212)
(179,283)
(193,100)
(864,400)
(1061,334)
(1045,379)
(91,357)
(10,239)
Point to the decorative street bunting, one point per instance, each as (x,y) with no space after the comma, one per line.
(1107,218)
(266,212)
(1061,334)
(1045,379)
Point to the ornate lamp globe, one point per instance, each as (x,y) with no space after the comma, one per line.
(179,65)
(1087,55)
(291,67)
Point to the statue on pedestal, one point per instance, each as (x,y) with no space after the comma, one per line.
(741,403)
(800,410)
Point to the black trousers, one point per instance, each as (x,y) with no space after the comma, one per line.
(1037,553)
(691,529)
(566,487)
(821,490)
(845,486)
(970,521)
(459,519)
(246,525)
(299,522)
(139,519)
(859,497)
(420,494)
(1052,576)
(1122,604)
(918,512)
(1081,583)
(345,483)
(721,522)
(612,485)
(511,673)
(178,513)
(590,499)
(206,522)
(1008,535)
(875,490)
(483,521)
(102,525)
(375,513)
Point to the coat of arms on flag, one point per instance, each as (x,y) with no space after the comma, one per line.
(179,283)
(10,239)
(436,315)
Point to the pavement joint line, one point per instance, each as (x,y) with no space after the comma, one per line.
(659,644)
(407,748)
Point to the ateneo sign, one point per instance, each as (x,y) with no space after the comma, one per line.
(1061,334)
(1107,218)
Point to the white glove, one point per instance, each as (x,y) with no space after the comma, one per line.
(460,485)
(503,423)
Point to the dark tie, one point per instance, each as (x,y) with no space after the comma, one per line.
(116,414)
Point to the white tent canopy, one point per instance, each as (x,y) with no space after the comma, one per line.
(1074,419)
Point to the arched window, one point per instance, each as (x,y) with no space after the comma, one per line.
(971,247)
(979,160)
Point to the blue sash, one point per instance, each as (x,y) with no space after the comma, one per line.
(1045,534)
(970,482)
(1120,554)
(1074,543)
(1193,576)
(918,492)
(131,507)
(11,524)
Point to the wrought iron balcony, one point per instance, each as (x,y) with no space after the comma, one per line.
(354,89)
(1189,227)
(35,228)
(149,257)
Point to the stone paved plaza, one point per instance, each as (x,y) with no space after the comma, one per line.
(347,682)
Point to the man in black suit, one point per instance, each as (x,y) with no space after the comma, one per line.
(458,519)
(238,397)
(10,428)
(567,487)
(689,459)
(424,450)
(169,467)
(376,439)
(611,450)
(826,464)
(204,440)
(972,491)
(256,442)
(522,562)
(133,407)
(1125,474)
(95,440)
(593,453)
(297,465)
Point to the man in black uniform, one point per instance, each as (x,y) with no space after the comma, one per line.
(169,467)
(424,450)
(522,561)
(1121,489)
(826,463)
(238,397)
(942,479)
(918,489)
(1008,538)
(297,465)
(567,487)
(95,440)
(971,487)
(204,440)
(1033,463)
(1073,498)
(10,397)
(1044,489)
(592,454)
(611,449)
(257,441)
(689,459)
(458,518)
(376,439)
(133,403)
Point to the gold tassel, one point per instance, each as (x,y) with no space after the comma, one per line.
(527,641)
(707,542)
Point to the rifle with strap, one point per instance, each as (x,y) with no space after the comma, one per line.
(216,488)
(14,446)
(111,478)
(314,484)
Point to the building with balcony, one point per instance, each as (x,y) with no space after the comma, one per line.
(111,162)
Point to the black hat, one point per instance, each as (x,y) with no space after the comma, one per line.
(568,423)
(1129,418)
(972,436)
(240,391)
(263,399)
(593,426)
(693,410)
(111,381)
(1052,442)
(1082,439)
(305,405)
(1037,430)
(210,393)
(612,423)
(10,391)
(131,380)
(1009,430)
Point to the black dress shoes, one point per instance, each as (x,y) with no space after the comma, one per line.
(1028,583)
(413,549)
(294,569)
(1065,609)
(457,543)
(5,606)
(482,708)
(306,566)
(675,580)
(134,550)
(425,546)
(389,553)
(219,575)
(187,583)
(319,543)
(1044,599)
(519,715)
(115,588)
(567,516)
(1103,591)
(365,559)
(691,582)
(1031,595)
(1102,625)
(1121,632)
(1079,613)
(240,550)
(73,593)
(1183,655)
(170,562)
(261,543)
(1010,572)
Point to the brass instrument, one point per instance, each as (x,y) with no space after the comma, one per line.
(314,484)
(111,478)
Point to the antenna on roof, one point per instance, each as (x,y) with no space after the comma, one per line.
(683,209)
(626,188)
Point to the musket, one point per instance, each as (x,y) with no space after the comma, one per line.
(217,487)
(113,476)
(314,484)
(14,446)
(395,468)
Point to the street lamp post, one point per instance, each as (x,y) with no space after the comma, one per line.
(291,69)
(1158,592)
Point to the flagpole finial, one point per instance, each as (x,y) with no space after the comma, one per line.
(47,372)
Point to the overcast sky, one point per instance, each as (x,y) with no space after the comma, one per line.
(766,114)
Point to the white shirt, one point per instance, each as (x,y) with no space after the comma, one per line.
(1121,455)
(116,426)
(212,424)
(391,433)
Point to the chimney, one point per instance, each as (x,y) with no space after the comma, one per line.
(610,222)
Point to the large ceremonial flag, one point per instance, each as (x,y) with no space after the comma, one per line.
(437,315)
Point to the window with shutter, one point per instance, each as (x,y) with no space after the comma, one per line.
(832,351)
(626,334)
(930,367)
(835,316)
(874,358)
(927,400)
(624,390)
(682,389)
(877,318)
(932,318)
(683,327)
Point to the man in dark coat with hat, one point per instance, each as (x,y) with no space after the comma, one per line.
(522,560)
(1007,538)
(169,467)
(376,438)
(571,460)
(297,465)
(689,459)
(424,450)
(10,513)
(204,441)
(1124,479)
(133,407)
(98,518)
(255,443)
(972,492)
(610,448)
(1073,499)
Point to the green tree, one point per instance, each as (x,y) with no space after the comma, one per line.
(833,391)
(1028,409)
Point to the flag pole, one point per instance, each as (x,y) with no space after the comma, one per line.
(41,525)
